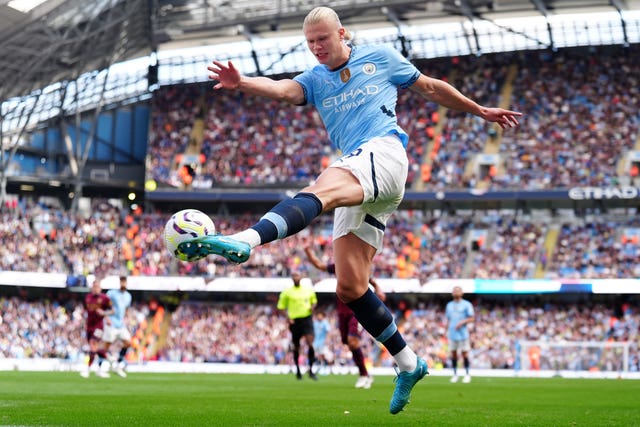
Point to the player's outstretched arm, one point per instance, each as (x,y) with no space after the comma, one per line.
(443,93)
(314,260)
(228,77)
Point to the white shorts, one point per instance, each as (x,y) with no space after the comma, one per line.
(381,166)
(112,334)
(461,345)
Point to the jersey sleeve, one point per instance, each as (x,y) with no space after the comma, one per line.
(306,80)
(106,303)
(402,72)
(282,301)
(470,311)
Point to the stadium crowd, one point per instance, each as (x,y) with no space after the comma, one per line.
(490,244)
(170,130)
(605,251)
(258,333)
(48,327)
(464,136)
(593,99)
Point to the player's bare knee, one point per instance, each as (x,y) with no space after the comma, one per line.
(352,284)
(348,293)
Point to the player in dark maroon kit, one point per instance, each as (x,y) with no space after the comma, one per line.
(97,305)
(347,322)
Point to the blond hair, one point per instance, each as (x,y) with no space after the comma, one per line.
(325,14)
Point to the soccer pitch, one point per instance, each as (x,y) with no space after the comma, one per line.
(66,399)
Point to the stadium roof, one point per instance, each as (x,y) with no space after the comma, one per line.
(185,19)
(57,40)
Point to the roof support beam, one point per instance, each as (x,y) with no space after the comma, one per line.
(299,46)
(540,7)
(78,160)
(519,33)
(619,6)
(467,11)
(392,16)
(254,55)
(6,160)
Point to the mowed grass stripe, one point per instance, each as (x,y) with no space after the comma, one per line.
(66,399)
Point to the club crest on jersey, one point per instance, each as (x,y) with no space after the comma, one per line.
(369,68)
(345,75)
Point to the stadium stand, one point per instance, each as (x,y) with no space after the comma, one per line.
(217,332)
(580,129)
(596,105)
(487,245)
(592,100)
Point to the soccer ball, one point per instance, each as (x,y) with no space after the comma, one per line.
(186,225)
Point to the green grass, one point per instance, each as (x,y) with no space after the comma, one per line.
(66,399)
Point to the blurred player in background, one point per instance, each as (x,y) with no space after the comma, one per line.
(459,313)
(116,326)
(97,306)
(347,322)
(321,328)
(299,301)
(355,91)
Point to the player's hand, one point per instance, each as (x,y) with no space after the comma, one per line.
(227,75)
(505,118)
(377,289)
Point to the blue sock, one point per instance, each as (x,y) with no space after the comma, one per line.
(376,319)
(288,217)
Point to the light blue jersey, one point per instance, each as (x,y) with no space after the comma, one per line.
(357,102)
(120,302)
(455,312)
(320,331)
